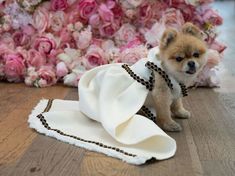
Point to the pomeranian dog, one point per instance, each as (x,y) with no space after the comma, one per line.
(183,55)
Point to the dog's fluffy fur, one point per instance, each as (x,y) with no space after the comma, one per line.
(183,56)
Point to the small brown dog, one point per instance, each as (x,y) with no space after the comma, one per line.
(183,56)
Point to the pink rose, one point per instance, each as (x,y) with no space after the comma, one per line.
(146,13)
(132,55)
(21,39)
(173,18)
(87,8)
(14,67)
(59,4)
(212,17)
(28,30)
(105,13)
(65,35)
(40,19)
(159,7)
(95,56)
(118,13)
(125,34)
(61,69)
(107,29)
(188,11)
(174,3)
(4,49)
(83,39)
(7,40)
(44,45)
(94,21)
(131,44)
(47,76)
(35,59)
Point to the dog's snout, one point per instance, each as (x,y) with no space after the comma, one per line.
(191,64)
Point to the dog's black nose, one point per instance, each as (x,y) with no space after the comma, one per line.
(191,64)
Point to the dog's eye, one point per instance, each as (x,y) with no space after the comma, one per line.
(196,54)
(179,59)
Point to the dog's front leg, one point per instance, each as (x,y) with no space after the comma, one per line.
(162,100)
(178,110)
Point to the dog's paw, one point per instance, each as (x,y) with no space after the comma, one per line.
(172,126)
(182,114)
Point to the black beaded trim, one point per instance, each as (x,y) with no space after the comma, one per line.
(184,90)
(148,113)
(148,84)
(152,66)
(45,124)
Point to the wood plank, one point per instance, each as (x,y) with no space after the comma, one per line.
(209,126)
(47,156)
(17,101)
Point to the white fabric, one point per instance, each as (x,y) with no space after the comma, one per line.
(111,98)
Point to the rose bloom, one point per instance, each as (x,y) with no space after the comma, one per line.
(87,8)
(159,7)
(125,34)
(47,76)
(59,4)
(131,44)
(173,18)
(14,67)
(7,40)
(146,13)
(21,38)
(188,11)
(41,19)
(118,13)
(105,13)
(35,59)
(212,16)
(28,30)
(83,39)
(44,45)
(95,56)
(107,29)
(94,21)
(132,55)
(56,21)
(61,69)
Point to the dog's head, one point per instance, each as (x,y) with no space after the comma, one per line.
(183,53)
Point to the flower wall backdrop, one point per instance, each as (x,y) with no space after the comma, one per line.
(44,42)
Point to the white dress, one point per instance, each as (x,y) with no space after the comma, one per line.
(111,98)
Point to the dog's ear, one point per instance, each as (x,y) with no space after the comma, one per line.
(191,29)
(168,37)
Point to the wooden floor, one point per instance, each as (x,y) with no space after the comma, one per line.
(206,146)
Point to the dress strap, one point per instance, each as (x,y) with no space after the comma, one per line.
(153,67)
(148,84)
